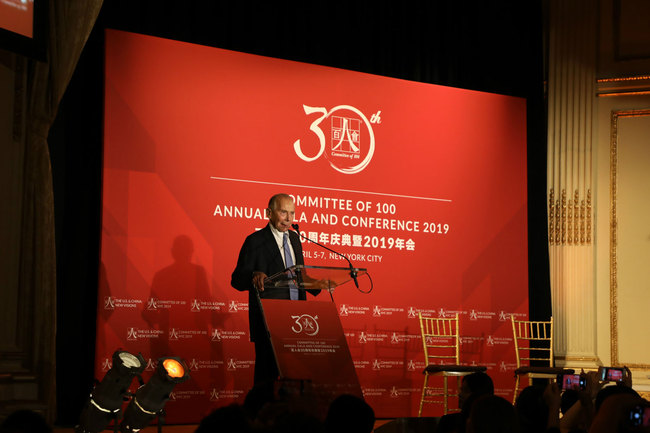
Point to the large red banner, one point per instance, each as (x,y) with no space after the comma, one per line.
(423,185)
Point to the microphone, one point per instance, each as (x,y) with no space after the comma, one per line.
(353,272)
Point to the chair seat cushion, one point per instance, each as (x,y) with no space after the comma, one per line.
(543,370)
(437,368)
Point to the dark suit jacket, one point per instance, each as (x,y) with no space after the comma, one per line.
(260,253)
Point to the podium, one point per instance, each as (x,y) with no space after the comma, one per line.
(307,337)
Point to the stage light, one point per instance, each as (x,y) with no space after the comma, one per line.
(107,397)
(149,400)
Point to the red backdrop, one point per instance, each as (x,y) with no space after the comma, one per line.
(423,185)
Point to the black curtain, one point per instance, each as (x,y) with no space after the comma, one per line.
(488,46)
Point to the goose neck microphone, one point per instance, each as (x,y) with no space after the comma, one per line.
(353,272)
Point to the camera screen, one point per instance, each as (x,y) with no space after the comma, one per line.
(614,374)
(571,381)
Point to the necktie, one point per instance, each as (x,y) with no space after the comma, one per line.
(293,291)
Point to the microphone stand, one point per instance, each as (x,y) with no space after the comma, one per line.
(353,272)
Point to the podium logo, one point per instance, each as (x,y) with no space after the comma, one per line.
(305,324)
(351,138)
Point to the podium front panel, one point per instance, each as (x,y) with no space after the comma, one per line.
(309,344)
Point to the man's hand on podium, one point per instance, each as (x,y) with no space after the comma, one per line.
(258,280)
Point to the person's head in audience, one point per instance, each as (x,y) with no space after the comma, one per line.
(611,390)
(492,414)
(25,421)
(227,419)
(478,383)
(613,415)
(349,413)
(532,411)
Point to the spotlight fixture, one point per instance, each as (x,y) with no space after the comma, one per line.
(149,400)
(105,402)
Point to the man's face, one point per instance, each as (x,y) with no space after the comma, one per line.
(282,216)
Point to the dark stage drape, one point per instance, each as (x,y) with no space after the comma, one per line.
(488,46)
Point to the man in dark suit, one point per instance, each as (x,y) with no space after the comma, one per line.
(264,253)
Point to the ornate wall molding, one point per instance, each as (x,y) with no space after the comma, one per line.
(613,234)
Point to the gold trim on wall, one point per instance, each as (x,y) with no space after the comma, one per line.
(613,233)
(569,220)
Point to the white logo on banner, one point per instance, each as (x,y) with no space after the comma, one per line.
(393,392)
(394,339)
(109,304)
(172,396)
(441,312)
(376,365)
(216,336)
(173,335)
(503,316)
(411,365)
(347,130)
(194,364)
(214,394)
(151,365)
(502,367)
(231,364)
(411,313)
(151,304)
(232,306)
(106,365)
(473,315)
(363,338)
(131,334)
(195,305)
(376,312)
(343,310)
(306,324)
(490,340)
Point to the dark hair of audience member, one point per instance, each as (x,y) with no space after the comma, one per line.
(349,413)
(226,419)
(479,383)
(297,422)
(492,414)
(614,415)
(25,421)
(608,391)
(531,409)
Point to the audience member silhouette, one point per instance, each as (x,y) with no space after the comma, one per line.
(226,419)
(472,386)
(492,414)
(349,414)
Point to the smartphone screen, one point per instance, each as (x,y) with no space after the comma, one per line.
(614,374)
(572,381)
